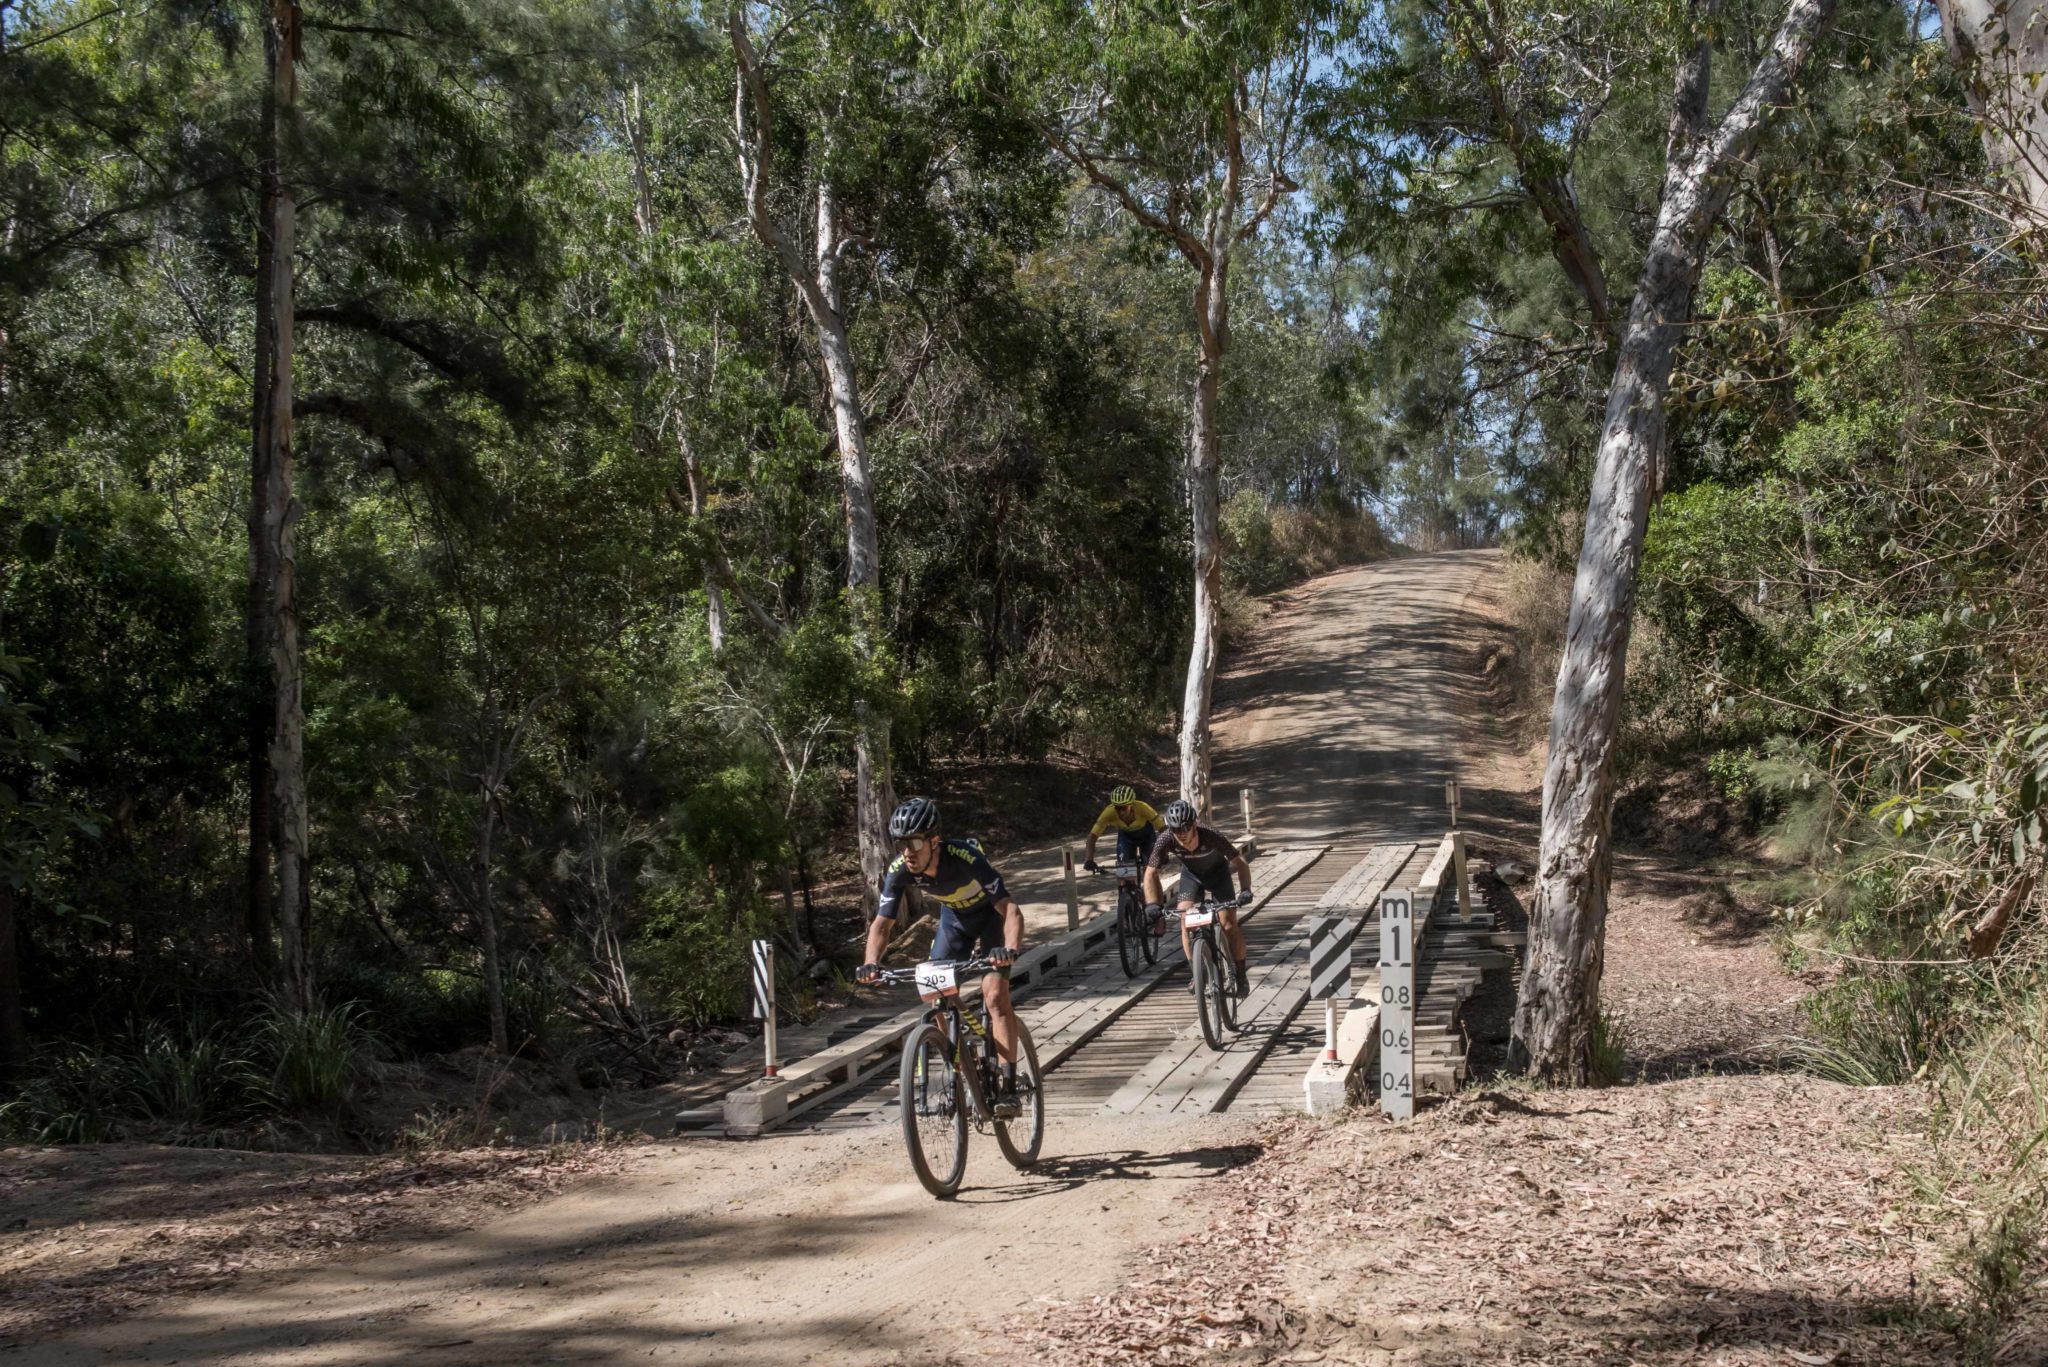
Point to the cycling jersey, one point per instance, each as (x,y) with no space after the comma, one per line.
(1142,816)
(1211,852)
(962,881)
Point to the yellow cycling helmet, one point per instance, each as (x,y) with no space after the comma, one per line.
(1122,795)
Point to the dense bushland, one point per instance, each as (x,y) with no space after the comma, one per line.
(574,676)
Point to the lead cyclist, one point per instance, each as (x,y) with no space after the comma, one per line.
(975,912)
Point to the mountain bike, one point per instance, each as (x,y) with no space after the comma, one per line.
(1137,944)
(1215,999)
(952,1075)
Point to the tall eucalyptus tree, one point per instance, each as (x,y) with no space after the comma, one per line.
(1560,994)
(1193,125)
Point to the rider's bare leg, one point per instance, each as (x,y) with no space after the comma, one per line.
(1187,948)
(1232,936)
(1002,1019)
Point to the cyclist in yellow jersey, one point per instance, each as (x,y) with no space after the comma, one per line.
(1135,823)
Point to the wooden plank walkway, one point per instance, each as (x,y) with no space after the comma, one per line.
(1073,1013)
(1185,1074)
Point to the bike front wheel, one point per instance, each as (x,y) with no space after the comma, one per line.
(1209,990)
(1019,1139)
(934,1111)
(1130,929)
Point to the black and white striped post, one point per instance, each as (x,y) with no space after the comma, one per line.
(1329,971)
(764,999)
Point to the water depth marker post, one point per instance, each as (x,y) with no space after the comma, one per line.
(764,999)
(1397,1003)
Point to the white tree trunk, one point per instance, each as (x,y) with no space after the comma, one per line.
(1205,520)
(818,282)
(290,823)
(716,622)
(1560,996)
(2001,49)
(874,793)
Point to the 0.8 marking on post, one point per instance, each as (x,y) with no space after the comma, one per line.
(1397,1003)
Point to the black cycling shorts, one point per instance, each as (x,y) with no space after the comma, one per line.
(1216,883)
(1133,847)
(961,933)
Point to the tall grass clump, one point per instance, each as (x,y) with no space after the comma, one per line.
(70,1094)
(1992,1131)
(313,1058)
(1882,1027)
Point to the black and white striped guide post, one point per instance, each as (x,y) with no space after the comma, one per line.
(764,999)
(1329,971)
(1329,956)
(1397,1003)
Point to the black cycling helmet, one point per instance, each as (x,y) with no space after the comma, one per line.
(1179,814)
(917,816)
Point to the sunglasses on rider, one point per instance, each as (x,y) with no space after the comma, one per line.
(916,844)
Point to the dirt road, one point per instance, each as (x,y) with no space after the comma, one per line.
(819,1247)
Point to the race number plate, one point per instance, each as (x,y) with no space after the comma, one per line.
(1127,870)
(1197,917)
(935,979)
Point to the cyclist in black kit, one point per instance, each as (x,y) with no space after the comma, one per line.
(1206,862)
(975,912)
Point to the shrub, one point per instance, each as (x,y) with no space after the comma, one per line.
(1268,547)
(1610,1048)
(313,1059)
(1880,1029)
(1992,1118)
(190,1088)
(69,1095)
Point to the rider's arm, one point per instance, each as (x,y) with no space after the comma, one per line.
(1089,856)
(884,924)
(1243,872)
(1013,922)
(879,931)
(1155,895)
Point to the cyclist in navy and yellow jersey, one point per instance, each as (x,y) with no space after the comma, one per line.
(976,912)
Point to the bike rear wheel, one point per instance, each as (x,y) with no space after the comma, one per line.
(1146,935)
(1209,989)
(934,1112)
(1130,930)
(1020,1139)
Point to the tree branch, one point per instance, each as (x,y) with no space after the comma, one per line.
(1169,228)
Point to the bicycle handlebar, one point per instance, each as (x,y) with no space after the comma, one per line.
(1243,899)
(965,968)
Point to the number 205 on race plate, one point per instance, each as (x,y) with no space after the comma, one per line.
(936,979)
(1195,920)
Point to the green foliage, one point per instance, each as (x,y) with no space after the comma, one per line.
(1879,1030)
(316,1058)
(1269,547)
(1608,1056)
